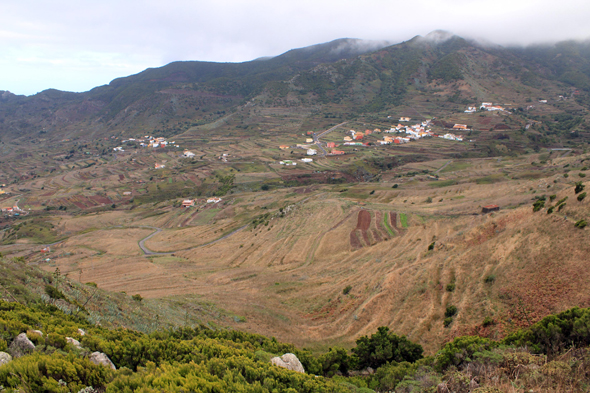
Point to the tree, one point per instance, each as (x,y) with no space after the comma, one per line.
(579,187)
(385,346)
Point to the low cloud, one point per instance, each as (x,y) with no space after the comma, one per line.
(74,46)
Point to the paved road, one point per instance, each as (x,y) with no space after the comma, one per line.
(146,250)
(443,167)
(149,252)
(316,138)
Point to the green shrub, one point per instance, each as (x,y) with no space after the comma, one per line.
(552,197)
(581,224)
(538,205)
(447,321)
(554,333)
(384,346)
(451,311)
(42,373)
(53,292)
(450,287)
(461,351)
(487,321)
(395,186)
(347,290)
(137,297)
(431,246)
(581,196)
(579,187)
(372,192)
(334,361)
(56,341)
(561,207)
(390,375)
(550,210)
(490,278)
(582,174)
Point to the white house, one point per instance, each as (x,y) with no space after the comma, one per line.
(307,159)
(311,152)
(213,200)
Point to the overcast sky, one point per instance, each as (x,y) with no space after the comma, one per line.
(75,45)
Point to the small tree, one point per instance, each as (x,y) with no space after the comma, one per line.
(451,311)
(579,187)
(383,347)
(581,196)
(538,205)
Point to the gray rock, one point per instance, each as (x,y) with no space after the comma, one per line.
(288,361)
(81,332)
(39,332)
(100,358)
(21,346)
(4,358)
(74,342)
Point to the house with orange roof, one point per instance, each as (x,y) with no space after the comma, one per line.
(188,203)
(331,144)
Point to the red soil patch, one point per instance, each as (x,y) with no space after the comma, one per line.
(354,240)
(97,199)
(366,238)
(364,220)
(376,236)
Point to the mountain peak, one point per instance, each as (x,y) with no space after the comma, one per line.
(439,36)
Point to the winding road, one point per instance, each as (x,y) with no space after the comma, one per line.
(149,252)
(316,138)
(157,230)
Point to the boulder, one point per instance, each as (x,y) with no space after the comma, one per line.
(21,346)
(39,332)
(74,342)
(4,358)
(100,358)
(81,332)
(288,361)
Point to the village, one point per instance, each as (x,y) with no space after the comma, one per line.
(148,142)
(404,133)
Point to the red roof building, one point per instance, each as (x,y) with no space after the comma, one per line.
(490,208)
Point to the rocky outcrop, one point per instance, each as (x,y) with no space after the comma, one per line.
(4,358)
(74,342)
(21,346)
(81,332)
(99,358)
(288,361)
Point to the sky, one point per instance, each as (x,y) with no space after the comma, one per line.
(75,45)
